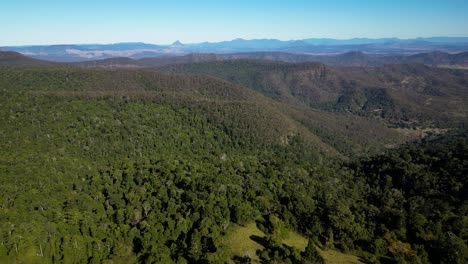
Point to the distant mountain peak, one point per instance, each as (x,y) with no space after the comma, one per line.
(177,43)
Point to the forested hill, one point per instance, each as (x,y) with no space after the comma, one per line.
(347,59)
(259,119)
(12,58)
(137,166)
(356,58)
(406,95)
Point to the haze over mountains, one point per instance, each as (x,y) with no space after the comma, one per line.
(314,46)
(436,58)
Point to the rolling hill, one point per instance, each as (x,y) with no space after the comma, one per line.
(255,118)
(125,62)
(15,58)
(345,59)
(402,94)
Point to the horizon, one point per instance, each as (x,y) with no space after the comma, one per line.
(234,39)
(52,22)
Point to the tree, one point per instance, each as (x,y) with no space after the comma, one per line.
(311,255)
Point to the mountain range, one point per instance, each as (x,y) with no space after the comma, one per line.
(404,91)
(437,58)
(314,46)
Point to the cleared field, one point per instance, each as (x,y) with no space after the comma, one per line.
(240,242)
(418,133)
(295,240)
(242,245)
(336,257)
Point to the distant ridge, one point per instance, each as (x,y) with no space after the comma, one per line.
(10,54)
(402,94)
(311,46)
(15,58)
(346,59)
(354,58)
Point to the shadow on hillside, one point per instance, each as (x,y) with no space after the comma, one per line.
(241,260)
(260,240)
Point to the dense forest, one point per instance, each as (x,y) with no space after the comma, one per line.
(405,95)
(136,166)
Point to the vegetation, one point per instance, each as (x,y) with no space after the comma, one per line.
(126,166)
(404,95)
(336,257)
(243,242)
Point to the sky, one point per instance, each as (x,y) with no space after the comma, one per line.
(37,22)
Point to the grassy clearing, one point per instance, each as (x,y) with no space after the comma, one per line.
(242,245)
(336,257)
(331,256)
(418,133)
(293,239)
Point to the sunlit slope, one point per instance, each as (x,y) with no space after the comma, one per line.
(402,94)
(248,117)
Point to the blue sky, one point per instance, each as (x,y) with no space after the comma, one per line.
(24,22)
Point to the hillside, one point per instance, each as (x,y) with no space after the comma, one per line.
(402,94)
(124,62)
(247,113)
(439,58)
(138,166)
(15,58)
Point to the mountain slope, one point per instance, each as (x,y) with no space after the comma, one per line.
(401,94)
(439,58)
(355,58)
(15,58)
(250,117)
